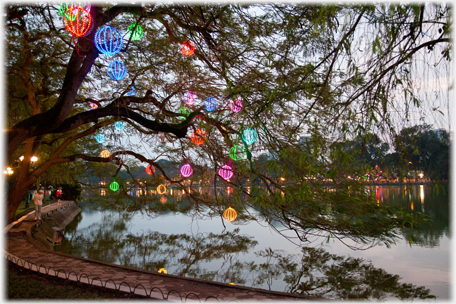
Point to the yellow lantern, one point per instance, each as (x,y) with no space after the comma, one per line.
(231,283)
(162,270)
(105,153)
(230,214)
(163,199)
(161,189)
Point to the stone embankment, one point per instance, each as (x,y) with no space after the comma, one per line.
(30,243)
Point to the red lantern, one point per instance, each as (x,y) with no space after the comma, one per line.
(150,169)
(198,136)
(187,48)
(78,21)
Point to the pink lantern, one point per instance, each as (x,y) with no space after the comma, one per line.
(186,170)
(226,172)
(235,105)
(190,98)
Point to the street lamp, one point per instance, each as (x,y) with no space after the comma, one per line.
(8,171)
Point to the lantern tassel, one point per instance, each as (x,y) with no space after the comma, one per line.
(76,46)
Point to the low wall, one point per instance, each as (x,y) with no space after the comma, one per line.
(45,232)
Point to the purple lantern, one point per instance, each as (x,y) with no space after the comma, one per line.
(226,172)
(190,98)
(186,170)
(235,105)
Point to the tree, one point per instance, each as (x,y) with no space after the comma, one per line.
(296,69)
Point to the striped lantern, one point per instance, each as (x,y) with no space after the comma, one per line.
(114,186)
(150,169)
(119,126)
(198,136)
(183,110)
(210,103)
(226,172)
(105,153)
(117,70)
(190,98)
(186,170)
(249,136)
(161,189)
(136,33)
(237,152)
(100,138)
(77,21)
(235,105)
(187,48)
(108,40)
(230,214)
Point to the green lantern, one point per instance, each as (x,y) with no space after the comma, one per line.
(237,152)
(114,186)
(137,32)
(183,110)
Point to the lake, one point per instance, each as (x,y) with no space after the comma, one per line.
(252,253)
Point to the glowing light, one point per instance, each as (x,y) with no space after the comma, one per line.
(198,137)
(8,171)
(190,98)
(230,214)
(117,70)
(226,172)
(163,199)
(237,152)
(114,186)
(161,189)
(78,21)
(150,169)
(105,153)
(108,40)
(186,170)
(119,126)
(132,91)
(162,270)
(21,158)
(93,105)
(34,159)
(249,136)
(100,138)
(235,105)
(135,32)
(183,110)
(187,48)
(210,103)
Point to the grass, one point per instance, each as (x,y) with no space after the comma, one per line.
(21,209)
(27,284)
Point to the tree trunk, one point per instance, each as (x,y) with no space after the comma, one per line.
(14,200)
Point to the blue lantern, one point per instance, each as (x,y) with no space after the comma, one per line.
(100,138)
(108,40)
(249,136)
(117,70)
(119,126)
(210,104)
(132,91)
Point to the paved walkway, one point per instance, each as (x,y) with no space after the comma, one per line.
(21,247)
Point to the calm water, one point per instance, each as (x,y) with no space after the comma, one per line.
(253,254)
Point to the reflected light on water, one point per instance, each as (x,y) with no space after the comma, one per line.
(422,193)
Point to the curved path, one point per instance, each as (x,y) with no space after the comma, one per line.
(22,247)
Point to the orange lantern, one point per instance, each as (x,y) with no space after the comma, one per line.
(187,48)
(79,21)
(198,136)
(163,199)
(230,214)
(105,153)
(150,169)
(162,270)
(161,189)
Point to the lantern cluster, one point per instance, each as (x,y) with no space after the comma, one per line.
(186,170)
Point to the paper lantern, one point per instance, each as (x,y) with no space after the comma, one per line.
(108,40)
(190,98)
(137,32)
(198,136)
(249,136)
(150,169)
(100,138)
(186,170)
(78,22)
(105,153)
(93,105)
(132,91)
(210,104)
(235,105)
(114,186)
(161,189)
(117,70)
(237,152)
(226,172)
(183,110)
(230,214)
(119,126)
(162,270)
(163,199)
(187,48)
